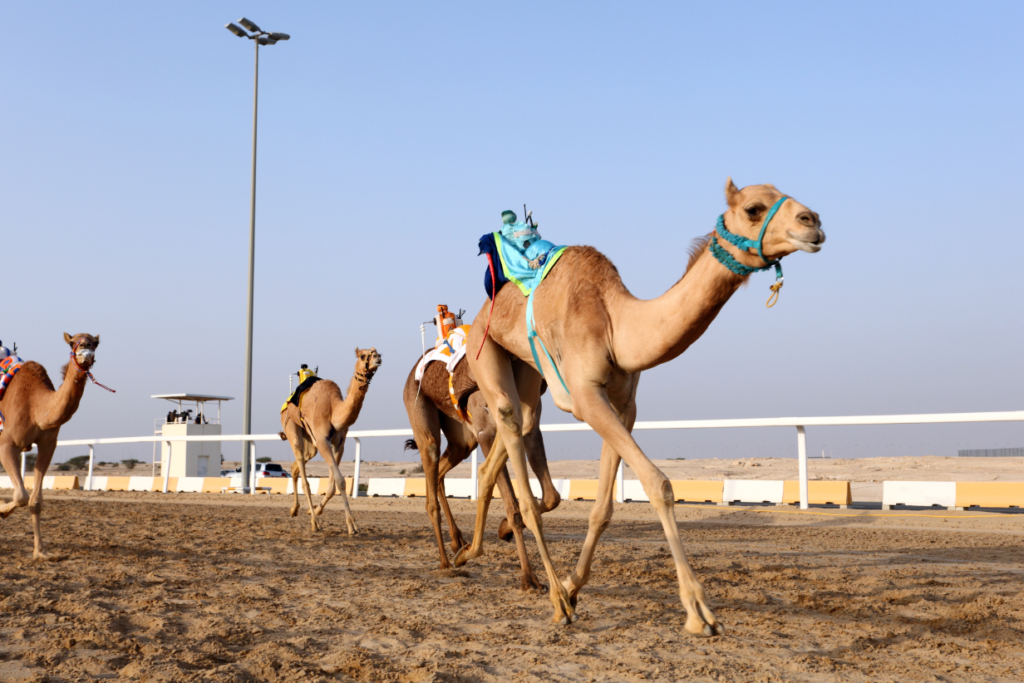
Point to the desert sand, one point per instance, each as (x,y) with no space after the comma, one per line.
(214,587)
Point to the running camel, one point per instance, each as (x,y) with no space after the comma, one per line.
(320,426)
(33,414)
(432,412)
(602,338)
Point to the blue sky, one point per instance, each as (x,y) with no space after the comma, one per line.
(392,136)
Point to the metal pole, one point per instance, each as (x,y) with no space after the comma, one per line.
(252,489)
(620,495)
(166,465)
(355,473)
(801,445)
(23,465)
(247,408)
(473,485)
(89,481)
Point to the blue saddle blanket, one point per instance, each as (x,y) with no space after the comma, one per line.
(511,264)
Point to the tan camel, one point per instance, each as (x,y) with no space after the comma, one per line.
(33,414)
(431,412)
(321,426)
(602,338)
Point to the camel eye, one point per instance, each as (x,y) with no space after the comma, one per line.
(754,211)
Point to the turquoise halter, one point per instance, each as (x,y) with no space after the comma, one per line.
(744,243)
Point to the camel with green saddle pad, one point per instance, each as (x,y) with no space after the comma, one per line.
(598,339)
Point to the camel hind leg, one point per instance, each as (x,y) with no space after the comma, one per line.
(9,456)
(35,501)
(333,457)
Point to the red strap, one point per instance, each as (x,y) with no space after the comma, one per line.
(490,264)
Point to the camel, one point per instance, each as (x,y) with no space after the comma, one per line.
(601,338)
(431,412)
(321,426)
(33,414)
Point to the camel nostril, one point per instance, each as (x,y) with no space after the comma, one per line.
(808,219)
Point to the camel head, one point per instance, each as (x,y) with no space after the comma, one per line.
(83,346)
(793,227)
(367,361)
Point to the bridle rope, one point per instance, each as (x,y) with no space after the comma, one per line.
(78,366)
(745,244)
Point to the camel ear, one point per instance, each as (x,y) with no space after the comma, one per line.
(357,352)
(732,192)
(97,340)
(67,338)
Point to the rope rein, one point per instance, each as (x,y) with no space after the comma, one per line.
(745,244)
(78,366)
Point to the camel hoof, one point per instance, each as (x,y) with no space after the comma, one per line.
(505,531)
(46,557)
(574,618)
(461,557)
(294,512)
(719,629)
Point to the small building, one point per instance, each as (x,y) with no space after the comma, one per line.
(191,458)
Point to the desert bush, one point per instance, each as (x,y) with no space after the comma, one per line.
(264,459)
(130,463)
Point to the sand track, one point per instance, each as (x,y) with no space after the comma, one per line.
(189,587)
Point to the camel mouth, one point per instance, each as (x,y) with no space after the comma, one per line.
(812,246)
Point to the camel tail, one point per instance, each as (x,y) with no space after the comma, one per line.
(410,445)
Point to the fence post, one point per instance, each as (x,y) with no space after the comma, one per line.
(88,486)
(801,446)
(167,466)
(355,471)
(473,480)
(620,496)
(252,468)
(23,465)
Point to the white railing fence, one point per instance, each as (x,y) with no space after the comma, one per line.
(800,423)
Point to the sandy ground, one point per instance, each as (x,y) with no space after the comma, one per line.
(193,587)
(864,474)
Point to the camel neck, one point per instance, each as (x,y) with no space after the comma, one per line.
(348,411)
(64,402)
(655,331)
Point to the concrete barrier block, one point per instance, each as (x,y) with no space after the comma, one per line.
(458,488)
(65,483)
(278,485)
(415,487)
(389,486)
(990,494)
(189,485)
(922,493)
(140,483)
(586,489)
(819,492)
(117,484)
(690,491)
(215,484)
(172,484)
(98,483)
(6,483)
(633,490)
(752,491)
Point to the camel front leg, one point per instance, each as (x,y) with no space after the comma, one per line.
(599,414)
(527,579)
(35,502)
(333,456)
(539,464)
(10,457)
(301,462)
(429,457)
(486,479)
(443,468)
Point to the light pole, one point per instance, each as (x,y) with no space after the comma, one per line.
(258,37)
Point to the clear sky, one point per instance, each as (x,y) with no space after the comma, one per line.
(393,134)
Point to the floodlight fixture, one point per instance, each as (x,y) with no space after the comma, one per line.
(237,30)
(280,36)
(249,25)
(265,40)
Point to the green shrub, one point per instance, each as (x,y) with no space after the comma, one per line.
(262,459)
(130,463)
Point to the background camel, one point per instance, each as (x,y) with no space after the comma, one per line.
(321,426)
(431,412)
(602,337)
(33,414)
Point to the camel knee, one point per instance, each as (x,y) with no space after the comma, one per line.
(550,501)
(663,496)
(507,414)
(20,498)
